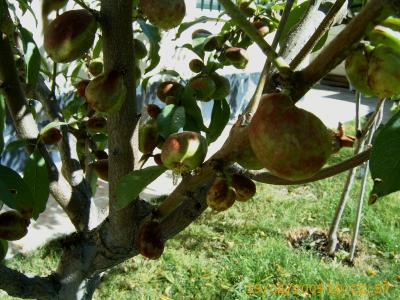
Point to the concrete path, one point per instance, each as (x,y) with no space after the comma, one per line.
(331,105)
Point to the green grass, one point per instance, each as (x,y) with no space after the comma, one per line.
(230,255)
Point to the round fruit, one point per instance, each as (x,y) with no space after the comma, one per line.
(139,48)
(237,57)
(248,160)
(384,71)
(290,142)
(70,35)
(96,124)
(51,136)
(13,226)
(106,93)
(245,188)
(153,110)
(222,86)
(221,195)
(184,151)
(165,14)
(101,168)
(150,243)
(357,64)
(213,43)
(196,65)
(95,67)
(203,87)
(148,136)
(168,88)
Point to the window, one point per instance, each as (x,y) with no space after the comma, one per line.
(208,4)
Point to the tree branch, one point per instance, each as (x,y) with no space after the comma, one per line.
(334,53)
(19,285)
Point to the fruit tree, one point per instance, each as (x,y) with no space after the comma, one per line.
(100,130)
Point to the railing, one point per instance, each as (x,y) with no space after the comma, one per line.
(211,4)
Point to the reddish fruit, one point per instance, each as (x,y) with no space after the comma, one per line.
(148,136)
(96,124)
(221,195)
(106,93)
(290,142)
(165,14)
(196,65)
(101,168)
(247,159)
(184,151)
(139,49)
(150,243)
(70,35)
(95,67)
(245,188)
(51,136)
(203,87)
(81,87)
(168,88)
(13,226)
(153,110)
(384,71)
(222,86)
(262,26)
(237,57)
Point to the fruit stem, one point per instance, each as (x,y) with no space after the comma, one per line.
(234,12)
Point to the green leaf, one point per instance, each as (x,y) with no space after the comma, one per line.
(294,17)
(97,48)
(3,249)
(385,158)
(131,185)
(2,121)
(170,120)
(32,61)
(186,25)
(15,145)
(219,118)
(36,176)
(194,117)
(153,34)
(5,193)
(22,198)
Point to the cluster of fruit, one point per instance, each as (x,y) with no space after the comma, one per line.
(373,67)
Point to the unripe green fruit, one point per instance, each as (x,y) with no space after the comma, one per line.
(168,88)
(290,142)
(70,35)
(3,249)
(203,87)
(101,168)
(184,151)
(222,86)
(384,71)
(237,57)
(106,93)
(139,49)
(13,226)
(357,64)
(221,195)
(164,14)
(148,136)
(96,124)
(196,65)
(200,33)
(245,188)
(95,67)
(149,242)
(51,136)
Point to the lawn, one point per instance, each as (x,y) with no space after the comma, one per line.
(251,252)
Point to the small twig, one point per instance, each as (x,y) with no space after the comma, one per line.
(371,120)
(321,30)
(54,81)
(240,20)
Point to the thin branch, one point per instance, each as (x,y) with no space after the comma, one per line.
(321,30)
(330,171)
(337,49)
(19,285)
(233,11)
(357,118)
(372,119)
